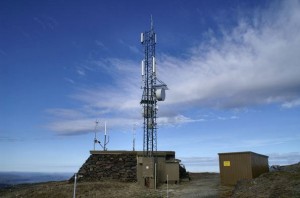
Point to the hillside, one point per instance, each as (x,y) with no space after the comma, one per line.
(282,183)
(13,178)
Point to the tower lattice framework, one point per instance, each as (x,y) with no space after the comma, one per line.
(149,101)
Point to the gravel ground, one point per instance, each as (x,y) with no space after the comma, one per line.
(282,183)
(200,185)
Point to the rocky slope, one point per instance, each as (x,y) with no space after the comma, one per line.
(284,182)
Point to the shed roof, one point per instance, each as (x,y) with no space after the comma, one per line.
(243,152)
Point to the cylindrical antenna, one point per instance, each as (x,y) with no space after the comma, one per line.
(142,37)
(143,67)
(155,38)
(153,65)
(104,145)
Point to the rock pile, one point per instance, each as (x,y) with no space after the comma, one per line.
(121,167)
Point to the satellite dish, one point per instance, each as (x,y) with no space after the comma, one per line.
(160,94)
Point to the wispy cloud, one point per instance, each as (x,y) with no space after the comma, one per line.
(134,49)
(9,139)
(291,104)
(101,45)
(267,142)
(284,158)
(65,113)
(69,80)
(80,71)
(46,22)
(200,161)
(254,63)
(80,126)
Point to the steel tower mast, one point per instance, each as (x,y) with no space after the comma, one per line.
(153,91)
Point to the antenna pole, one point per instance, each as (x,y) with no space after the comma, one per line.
(95,138)
(105,136)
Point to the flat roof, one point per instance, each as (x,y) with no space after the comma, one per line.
(138,153)
(243,152)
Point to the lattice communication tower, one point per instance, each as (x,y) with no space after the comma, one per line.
(153,91)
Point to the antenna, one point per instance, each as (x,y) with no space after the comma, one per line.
(95,138)
(153,91)
(106,137)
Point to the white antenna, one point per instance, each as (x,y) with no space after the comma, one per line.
(105,134)
(106,137)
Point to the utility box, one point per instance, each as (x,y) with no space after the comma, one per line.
(148,167)
(152,171)
(172,172)
(241,165)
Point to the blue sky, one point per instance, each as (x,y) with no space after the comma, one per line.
(232,68)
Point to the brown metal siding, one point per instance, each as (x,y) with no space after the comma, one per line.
(259,164)
(240,167)
(243,165)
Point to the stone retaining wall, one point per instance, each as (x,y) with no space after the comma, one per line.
(120,166)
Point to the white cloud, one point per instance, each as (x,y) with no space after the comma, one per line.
(291,104)
(87,125)
(81,72)
(176,120)
(65,113)
(134,49)
(255,63)
(252,143)
(284,158)
(69,80)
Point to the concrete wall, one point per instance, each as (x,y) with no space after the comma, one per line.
(172,170)
(163,167)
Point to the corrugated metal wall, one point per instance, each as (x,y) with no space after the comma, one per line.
(259,164)
(241,165)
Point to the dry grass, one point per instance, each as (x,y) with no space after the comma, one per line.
(284,183)
(86,189)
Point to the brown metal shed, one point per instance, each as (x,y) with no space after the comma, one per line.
(241,165)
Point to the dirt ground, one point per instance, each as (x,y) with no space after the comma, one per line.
(282,183)
(201,185)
